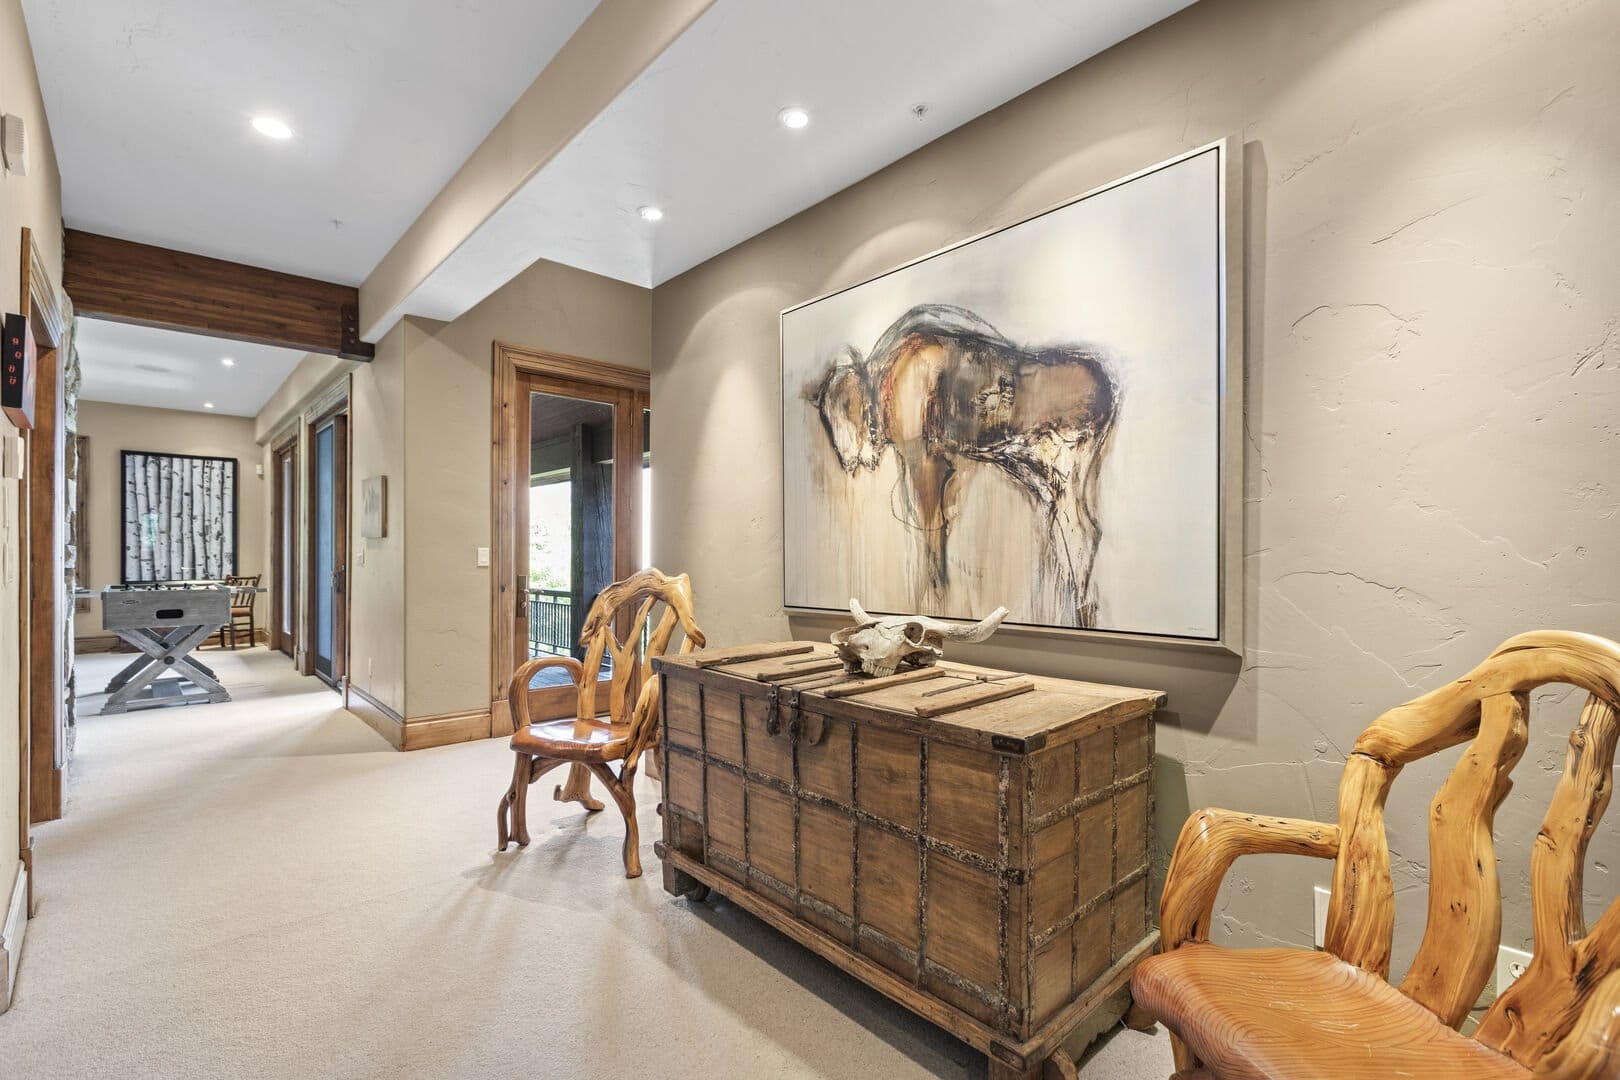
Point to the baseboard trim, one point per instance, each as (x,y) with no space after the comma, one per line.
(444,729)
(12,932)
(379,717)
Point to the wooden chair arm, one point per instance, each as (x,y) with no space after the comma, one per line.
(1210,843)
(517,691)
(1592,1047)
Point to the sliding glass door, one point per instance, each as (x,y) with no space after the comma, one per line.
(328,545)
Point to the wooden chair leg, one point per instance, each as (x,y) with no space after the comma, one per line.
(577,788)
(512,816)
(623,790)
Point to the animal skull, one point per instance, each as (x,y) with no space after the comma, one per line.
(879,646)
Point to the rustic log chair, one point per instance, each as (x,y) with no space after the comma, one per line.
(1289,1013)
(596,738)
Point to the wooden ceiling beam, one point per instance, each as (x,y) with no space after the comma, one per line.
(122,281)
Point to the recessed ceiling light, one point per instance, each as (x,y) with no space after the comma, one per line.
(227,361)
(794,117)
(208,404)
(650,213)
(274,128)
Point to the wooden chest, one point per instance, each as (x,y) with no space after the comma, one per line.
(973,843)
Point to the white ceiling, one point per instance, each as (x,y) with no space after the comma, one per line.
(164,369)
(697,134)
(150,101)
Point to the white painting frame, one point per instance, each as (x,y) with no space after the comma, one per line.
(1217,595)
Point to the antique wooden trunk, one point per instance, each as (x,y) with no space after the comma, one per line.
(973,843)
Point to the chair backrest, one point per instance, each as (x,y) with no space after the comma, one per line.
(243,589)
(619,631)
(1566,1006)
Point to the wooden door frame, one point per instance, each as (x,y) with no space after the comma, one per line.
(340,417)
(516,368)
(40,643)
(279,556)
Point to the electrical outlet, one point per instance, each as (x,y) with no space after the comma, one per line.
(1320,895)
(1510,964)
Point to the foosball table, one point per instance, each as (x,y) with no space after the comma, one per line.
(165,621)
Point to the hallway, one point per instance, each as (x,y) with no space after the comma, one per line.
(265,889)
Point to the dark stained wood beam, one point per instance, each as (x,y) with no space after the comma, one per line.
(122,281)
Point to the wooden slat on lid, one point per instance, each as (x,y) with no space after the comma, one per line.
(977,693)
(1032,714)
(743,653)
(864,685)
(947,694)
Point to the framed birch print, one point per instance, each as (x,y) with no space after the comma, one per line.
(179,517)
(1044,416)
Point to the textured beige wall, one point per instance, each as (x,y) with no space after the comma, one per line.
(447,413)
(1433,459)
(377,566)
(33,201)
(113,429)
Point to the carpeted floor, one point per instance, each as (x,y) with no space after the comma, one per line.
(265,889)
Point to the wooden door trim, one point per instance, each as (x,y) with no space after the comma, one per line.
(280,557)
(520,359)
(39,504)
(574,376)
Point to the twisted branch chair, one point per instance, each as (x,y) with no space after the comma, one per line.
(591,742)
(1247,1014)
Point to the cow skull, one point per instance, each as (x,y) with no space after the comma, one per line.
(880,646)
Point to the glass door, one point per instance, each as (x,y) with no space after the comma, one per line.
(328,547)
(577,519)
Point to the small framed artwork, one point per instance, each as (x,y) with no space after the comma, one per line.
(374,507)
(1046,417)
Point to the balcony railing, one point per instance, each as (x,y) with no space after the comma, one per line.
(550,623)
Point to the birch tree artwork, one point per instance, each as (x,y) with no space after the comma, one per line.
(179,517)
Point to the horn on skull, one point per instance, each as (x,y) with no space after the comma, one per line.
(858,612)
(979,630)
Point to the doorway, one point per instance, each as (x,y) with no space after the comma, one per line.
(572,467)
(284,546)
(327,648)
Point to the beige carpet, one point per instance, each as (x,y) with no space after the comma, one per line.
(265,889)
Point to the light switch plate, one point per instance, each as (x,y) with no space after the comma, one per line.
(11,457)
(483,556)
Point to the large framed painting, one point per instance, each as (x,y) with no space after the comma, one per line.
(178,517)
(1046,416)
